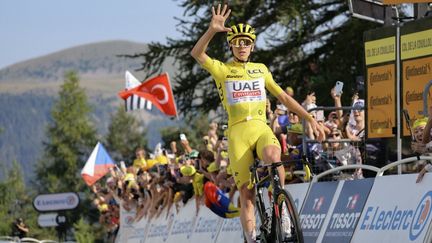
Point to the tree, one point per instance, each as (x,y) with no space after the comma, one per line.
(16,202)
(124,136)
(292,35)
(70,139)
(84,232)
(13,198)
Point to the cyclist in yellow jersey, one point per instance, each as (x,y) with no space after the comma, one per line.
(242,89)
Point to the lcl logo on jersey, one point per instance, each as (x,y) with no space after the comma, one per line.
(255,71)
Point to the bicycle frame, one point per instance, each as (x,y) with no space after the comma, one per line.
(260,183)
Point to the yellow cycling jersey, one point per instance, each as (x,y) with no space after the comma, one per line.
(242,88)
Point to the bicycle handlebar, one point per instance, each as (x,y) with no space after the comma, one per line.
(304,160)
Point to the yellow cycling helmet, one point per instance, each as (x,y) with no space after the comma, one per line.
(241,30)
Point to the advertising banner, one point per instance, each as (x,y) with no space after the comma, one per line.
(47,220)
(416,57)
(381,100)
(416,44)
(347,210)
(416,74)
(397,210)
(56,201)
(315,209)
(380,50)
(185,226)
(380,73)
(298,193)
(126,225)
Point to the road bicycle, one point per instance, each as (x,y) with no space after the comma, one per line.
(278,214)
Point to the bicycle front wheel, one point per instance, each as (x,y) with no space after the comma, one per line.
(286,223)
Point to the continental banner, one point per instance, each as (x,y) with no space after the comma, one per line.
(416,73)
(381,100)
(416,67)
(380,59)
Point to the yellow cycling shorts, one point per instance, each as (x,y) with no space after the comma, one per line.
(243,139)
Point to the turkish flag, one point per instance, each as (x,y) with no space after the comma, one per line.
(158,91)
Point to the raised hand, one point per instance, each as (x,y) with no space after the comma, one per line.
(219,17)
(318,130)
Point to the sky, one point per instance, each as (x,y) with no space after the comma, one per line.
(32,28)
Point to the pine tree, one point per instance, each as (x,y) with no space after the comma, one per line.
(124,136)
(16,202)
(71,137)
(13,198)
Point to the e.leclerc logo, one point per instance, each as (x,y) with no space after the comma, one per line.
(377,219)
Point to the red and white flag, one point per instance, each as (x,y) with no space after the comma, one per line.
(134,102)
(158,91)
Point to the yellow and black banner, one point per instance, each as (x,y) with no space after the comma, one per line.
(416,67)
(389,2)
(381,100)
(380,59)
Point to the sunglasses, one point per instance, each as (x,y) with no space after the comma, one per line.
(237,43)
(335,135)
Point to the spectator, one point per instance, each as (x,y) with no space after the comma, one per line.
(355,130)
(19,228)
(197,180)
(428,128)
(212,134)
(140,161)
(418,128)
(426,168)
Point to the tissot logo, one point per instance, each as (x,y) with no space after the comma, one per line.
(255,71)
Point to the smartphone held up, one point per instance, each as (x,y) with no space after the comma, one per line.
(338,88)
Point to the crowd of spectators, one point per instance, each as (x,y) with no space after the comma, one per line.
(158,183)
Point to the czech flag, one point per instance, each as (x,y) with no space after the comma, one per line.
(97,165)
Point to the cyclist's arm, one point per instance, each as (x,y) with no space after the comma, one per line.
(217,24)
(199,50)
(294,106)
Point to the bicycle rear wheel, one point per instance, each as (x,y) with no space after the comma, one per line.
(286,224)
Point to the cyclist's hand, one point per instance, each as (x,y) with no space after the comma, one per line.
(318,130)
(219,17)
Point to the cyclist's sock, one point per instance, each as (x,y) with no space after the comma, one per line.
(251,236)
(286,222)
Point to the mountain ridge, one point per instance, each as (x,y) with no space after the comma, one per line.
(29,89)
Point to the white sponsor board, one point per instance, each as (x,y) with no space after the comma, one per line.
(397,210)
(54,202)
(186,226)
(47,220)
(126,225)
(298,193)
